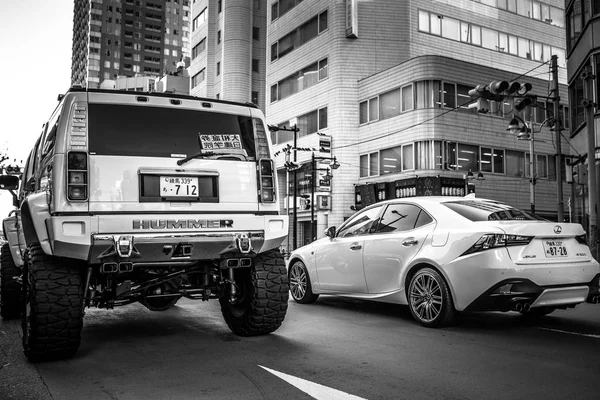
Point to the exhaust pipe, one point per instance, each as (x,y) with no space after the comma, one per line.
(526,307)
(109,268)
(519,307)
(245,262)
(125,267)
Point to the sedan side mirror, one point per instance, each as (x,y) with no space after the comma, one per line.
(330,232)
(9,182)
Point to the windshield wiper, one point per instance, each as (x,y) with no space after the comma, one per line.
(197,155)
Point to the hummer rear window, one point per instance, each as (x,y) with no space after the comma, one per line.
(167,132)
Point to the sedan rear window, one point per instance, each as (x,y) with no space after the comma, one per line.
(489,211)
(167,132)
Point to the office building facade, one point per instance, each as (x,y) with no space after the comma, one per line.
(127,38)
(386,82)
(228,50)
(583,51)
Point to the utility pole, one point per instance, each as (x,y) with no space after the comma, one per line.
(588,104)
(295,215)
(557,131)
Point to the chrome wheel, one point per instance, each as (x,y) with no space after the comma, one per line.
(298,281)
(300,286)
(426,297)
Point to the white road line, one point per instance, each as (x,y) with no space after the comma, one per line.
(572,333)
(315,390)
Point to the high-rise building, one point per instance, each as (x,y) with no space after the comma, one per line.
(228,50)
(583,66)
(113,38)
(387,82)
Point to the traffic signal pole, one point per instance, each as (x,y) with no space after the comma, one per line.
(295,214)
(557,131)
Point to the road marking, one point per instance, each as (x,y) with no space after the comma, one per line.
(572,333)
(315,390)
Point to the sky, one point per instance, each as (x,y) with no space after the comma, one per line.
(35,43)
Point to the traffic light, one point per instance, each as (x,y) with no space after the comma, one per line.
(501,91)
(524,102)
(493,91)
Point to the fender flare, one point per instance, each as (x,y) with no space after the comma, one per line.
(35,231)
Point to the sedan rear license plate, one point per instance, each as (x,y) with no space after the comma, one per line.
(555,248)
(179,186)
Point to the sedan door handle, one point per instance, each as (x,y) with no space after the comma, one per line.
(355,246)
(410,242)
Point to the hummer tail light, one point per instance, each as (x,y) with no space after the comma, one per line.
(77,172)
(260,140)
(266,181)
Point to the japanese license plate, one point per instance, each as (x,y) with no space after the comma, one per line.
(178,186)
(555,248)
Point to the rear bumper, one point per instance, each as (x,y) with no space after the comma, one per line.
(92,238)
(509,294)
(472,277)
(154,249)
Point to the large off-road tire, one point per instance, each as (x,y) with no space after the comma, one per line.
(10,290)
(262,299)
(300,286)
(429,299)
(52,316)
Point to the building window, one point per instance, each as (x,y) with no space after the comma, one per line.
(255,33)
(307,31)
(300,80)
(466,32)
(575,98)
(254,98)
(218,96)
(199,48)
(220,5)
(218,37)
(199,20)
(391,160)
(407,98)
(281,7)
(309,123)
(218,68)
(255,64)
(198,78)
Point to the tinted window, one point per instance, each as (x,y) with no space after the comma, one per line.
(161,132)
(400,217)
(489,211)
(360,223)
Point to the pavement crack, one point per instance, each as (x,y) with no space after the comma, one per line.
(254,383)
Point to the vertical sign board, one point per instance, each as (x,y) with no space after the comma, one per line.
(352,18)
(323,184)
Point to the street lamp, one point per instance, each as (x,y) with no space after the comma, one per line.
(526,132)
(334,164)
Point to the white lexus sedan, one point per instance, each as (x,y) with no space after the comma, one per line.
(444,255)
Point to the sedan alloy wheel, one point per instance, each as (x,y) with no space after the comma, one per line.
(429,299)
(300,287)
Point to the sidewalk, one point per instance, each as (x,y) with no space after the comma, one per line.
(19,379)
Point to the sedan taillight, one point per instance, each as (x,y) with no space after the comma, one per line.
(494,240)
(581,239)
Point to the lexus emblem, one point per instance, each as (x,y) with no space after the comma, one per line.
(557,229)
